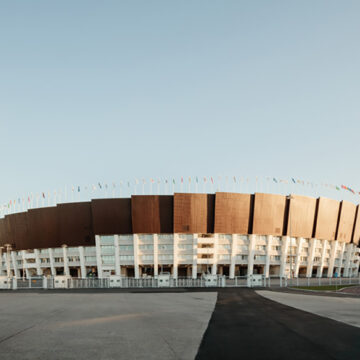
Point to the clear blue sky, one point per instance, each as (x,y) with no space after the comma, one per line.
(114,90)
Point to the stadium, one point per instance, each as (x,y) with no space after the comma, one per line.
(186,235)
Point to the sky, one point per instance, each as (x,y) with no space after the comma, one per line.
(110,91)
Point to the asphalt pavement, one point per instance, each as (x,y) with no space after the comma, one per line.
(247,325)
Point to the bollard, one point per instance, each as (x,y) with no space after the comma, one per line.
(45,283)
(14,283)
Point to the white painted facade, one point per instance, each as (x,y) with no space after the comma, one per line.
(188,255)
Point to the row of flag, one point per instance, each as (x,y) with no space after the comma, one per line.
(35,200)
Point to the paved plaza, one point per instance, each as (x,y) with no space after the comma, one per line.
(39,325)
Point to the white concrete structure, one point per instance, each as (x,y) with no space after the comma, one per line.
(188,255)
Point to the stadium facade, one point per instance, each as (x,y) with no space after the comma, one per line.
(185,234)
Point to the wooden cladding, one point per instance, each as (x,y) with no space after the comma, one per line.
(232,213)
(194,213)
(152,214)
(76,224)
(269,214)
(326,219)
(301,217)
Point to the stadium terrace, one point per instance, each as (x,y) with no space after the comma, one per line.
(186,235)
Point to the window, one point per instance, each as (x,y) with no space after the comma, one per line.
(107,240)
(90,258)
(165,247)
(146,247)
(275,248)
(225,247)
(275,257)
(147,257)
(165,257)
(108,259)
(261,247)
(108,248)
(185,246)
(224,257)
(126,257)
(126,248)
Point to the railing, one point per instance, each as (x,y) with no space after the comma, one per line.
(66,282)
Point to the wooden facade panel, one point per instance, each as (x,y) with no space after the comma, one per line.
(301,219)
(194,213)
(42,228)
(232,213)
(75,224)
(326,219)
(346,221)
(19,231)
(111,216)
(269,214)
(152,214)
(356,236)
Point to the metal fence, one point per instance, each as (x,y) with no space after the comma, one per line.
(170,282)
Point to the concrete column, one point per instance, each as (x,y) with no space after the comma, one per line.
(194,265)
(37,261)
(349,250)
(342,249)
(98,256)
(311,257)
(233,255)
(300,242)
(323,253)
(1,262)
(267,260)
(156,254)
(215,259)
(66,261)
(284,251)
(117,256)
(252,243)
(334,246)
(175,256)
(52,263)
(136,255)
(15,267)
(82,262)
(24,262)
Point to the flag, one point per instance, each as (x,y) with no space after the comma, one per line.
(28,198)
(275,180)
(189,179)
(234,179)
(293,180)
(128,183)
(43,195)
(204,179)
(78,188)
(173,181)
(337,188)
(100,186)
(197,180)
(182,179)
(212,180)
